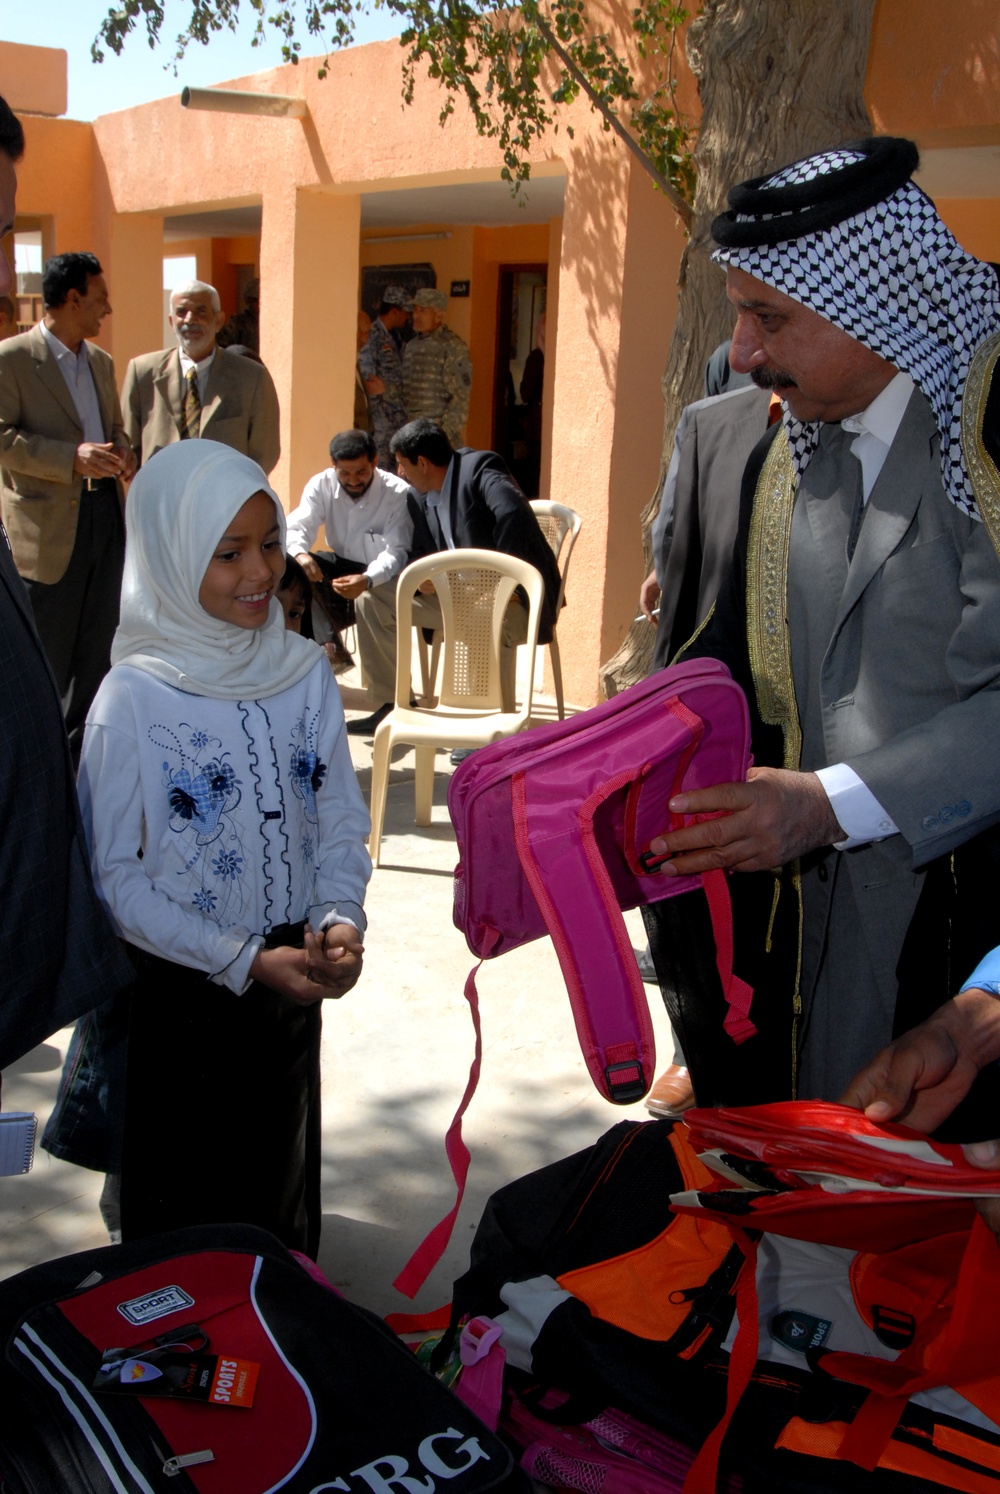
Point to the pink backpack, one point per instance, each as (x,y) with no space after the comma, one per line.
(553,829)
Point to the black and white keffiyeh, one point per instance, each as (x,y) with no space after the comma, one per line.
(887,272)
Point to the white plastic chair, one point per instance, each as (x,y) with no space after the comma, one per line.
(473,589)
(560,526)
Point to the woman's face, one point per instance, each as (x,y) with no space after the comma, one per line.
(247,565)
(293,604)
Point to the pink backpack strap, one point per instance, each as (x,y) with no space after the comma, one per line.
(430,1250)
(480,1385)
(581,912)
(738,994)
(439,1318)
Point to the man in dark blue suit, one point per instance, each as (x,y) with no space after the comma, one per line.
(463,499)
(58,953)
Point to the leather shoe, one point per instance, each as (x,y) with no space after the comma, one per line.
(672,1093)
(364,726)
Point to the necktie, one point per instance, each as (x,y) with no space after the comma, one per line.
(191,413)
(837,442)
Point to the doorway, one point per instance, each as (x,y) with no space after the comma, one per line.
(519,371)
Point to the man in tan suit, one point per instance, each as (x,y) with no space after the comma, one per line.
(198,389)
(63,454)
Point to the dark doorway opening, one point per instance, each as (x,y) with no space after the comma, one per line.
(519,371)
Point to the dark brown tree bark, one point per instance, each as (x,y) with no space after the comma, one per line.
(777,79)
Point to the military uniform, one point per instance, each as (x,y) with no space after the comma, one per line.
(437,379)
(380,358)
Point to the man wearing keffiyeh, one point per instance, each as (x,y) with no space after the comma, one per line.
(862,617)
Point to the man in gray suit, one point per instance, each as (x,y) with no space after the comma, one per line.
(861,615)
(63,456)
(199,389)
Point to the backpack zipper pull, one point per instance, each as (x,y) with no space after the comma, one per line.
(187,1460)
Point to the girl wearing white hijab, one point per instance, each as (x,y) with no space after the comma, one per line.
(225,825)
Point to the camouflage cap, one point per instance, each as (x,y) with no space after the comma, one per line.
(395,295)
(434,300)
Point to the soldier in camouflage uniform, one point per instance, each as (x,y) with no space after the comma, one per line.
(380,363)
(437,370)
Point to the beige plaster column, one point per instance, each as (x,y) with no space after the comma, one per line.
(551,346)
(309,258)
(617,272)
(135,282)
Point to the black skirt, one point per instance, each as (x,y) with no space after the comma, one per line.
(222,1107)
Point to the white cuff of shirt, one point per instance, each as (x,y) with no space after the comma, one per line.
(351,914)
(236,976)
(859,814)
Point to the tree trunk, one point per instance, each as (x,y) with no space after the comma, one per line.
(777,80)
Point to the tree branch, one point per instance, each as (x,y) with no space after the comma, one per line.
(681,208)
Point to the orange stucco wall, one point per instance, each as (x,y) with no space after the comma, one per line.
(934,70)
(612,256)
(975,222)
(33,79)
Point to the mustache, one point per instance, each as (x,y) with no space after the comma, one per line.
(772,378)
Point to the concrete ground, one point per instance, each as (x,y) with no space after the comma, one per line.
(396,1054)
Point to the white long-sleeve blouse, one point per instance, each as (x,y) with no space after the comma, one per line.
(211,822)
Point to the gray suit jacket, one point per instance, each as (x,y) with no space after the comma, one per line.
(715,437)
(240,407)
(39,433)
(909,680)
(910,683)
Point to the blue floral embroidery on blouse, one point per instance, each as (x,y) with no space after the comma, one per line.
(227,864)
(203,793)
(307,770)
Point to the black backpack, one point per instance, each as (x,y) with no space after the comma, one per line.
(338,1403)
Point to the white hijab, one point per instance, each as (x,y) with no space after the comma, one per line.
(177,511)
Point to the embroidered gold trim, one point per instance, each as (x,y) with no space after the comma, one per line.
(982,469)
(767,597)
(695,635)
(771,652)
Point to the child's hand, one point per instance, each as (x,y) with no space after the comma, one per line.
(286,971)
(334,957)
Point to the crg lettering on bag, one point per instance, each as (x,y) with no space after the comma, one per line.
(391,1474)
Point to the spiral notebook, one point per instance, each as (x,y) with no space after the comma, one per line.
(17,1141)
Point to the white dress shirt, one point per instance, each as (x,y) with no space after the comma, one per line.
(858,812)
(75,369)
(375,529)
(440,511)
(201,369)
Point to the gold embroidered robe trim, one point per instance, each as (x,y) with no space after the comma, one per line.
(982,469)
(767,597)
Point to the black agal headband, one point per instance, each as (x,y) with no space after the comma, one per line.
(785,205)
